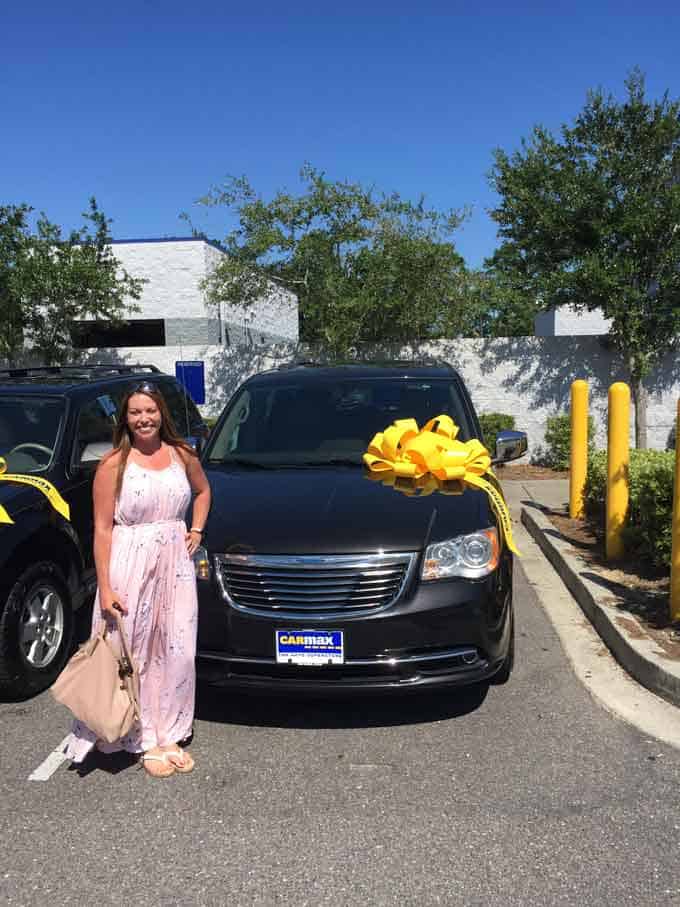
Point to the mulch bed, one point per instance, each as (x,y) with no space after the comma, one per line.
(635,588)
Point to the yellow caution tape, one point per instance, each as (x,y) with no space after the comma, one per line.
(41,485)
(420,461)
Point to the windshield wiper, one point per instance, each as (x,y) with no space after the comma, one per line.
(332,461)
(241,461)
(285,464)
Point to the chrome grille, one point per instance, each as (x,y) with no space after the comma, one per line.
(321,585)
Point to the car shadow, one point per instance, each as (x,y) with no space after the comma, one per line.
(229,707)
(224,706)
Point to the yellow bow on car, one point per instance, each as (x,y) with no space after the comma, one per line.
(41,485)
(411,459)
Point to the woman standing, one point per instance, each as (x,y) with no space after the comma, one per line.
(142,552)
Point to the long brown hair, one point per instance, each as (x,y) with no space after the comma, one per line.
(122,436)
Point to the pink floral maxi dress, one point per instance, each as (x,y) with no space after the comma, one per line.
(152,573)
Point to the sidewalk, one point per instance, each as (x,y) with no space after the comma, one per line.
(625,637)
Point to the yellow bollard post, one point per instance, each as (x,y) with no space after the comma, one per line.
(618,457)
(578,459)
(675,536)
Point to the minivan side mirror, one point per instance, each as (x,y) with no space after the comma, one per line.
(510,445)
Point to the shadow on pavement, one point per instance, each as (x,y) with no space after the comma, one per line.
(232,707)
(535,505)
(652,605)
(111,763)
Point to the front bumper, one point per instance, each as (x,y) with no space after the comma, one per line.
(438,634)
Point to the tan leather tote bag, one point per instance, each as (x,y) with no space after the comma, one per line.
(101,686)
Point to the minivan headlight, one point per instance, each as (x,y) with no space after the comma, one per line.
(201,563)
(472,556)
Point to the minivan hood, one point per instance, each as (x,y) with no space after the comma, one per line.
(334,510)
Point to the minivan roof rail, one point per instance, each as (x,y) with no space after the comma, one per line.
(366,363)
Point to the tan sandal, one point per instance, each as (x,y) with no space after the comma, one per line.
(170,767)
(187,763)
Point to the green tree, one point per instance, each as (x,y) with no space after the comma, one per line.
(493,306)
(365,267)
(592,219)
(14,254)
(48,282)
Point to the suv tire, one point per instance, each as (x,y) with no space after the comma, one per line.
(36,631)
(503,674)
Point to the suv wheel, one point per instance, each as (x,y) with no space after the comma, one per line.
(36,630)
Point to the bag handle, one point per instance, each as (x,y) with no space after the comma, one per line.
(126,656)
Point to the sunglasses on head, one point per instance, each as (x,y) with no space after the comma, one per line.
(146,387)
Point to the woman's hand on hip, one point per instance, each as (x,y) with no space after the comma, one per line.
(193,539)
(110,604)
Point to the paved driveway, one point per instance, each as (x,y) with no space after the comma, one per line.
(530,794)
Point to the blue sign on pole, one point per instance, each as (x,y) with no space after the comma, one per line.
(191,374)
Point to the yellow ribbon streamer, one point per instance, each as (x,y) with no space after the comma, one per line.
(41,485)
(420,461)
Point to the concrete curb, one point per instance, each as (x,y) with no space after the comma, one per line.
(629,643)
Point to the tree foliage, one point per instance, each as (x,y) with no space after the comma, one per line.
(592,219)
(494,308)
(14,255)
(47,282)
(364,267)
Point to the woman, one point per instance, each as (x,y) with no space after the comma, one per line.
(142,553)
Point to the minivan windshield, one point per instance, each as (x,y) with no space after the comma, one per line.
(308,423)
(29,428)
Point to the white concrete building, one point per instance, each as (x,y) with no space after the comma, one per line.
(565,321)
(173,308)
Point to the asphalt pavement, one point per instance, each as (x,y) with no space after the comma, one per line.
(529,793)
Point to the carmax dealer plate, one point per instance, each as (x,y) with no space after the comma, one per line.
(310,647)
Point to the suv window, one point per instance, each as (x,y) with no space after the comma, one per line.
(29,428)
(94,434)
(304,421)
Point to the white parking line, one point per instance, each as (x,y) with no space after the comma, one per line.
(49,766)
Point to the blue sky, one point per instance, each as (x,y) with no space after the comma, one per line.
(147,104)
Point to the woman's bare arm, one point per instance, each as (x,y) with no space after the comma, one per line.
(201,488)
(104,501)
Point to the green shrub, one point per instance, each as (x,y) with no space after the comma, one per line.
(647,532)
(557,450)
(648,528)
(596,485)
(491,424)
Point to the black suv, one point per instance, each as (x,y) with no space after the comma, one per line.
(317,578)
(57,423)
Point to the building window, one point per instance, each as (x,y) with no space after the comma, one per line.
(136,332)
